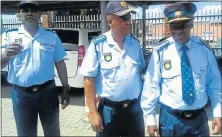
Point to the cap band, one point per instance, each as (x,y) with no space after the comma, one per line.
(179,14)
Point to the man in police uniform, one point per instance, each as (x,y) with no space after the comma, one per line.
(112,67)
(181,75)
(30,53)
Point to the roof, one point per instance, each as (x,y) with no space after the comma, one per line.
(76,29)
(12,6)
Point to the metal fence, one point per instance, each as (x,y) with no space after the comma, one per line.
(207,25)
(8,24)
(75,21)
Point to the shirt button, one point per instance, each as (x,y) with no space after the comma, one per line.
(191,94)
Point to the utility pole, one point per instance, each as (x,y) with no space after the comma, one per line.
(103,16)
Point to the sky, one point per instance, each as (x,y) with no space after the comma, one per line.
(201,6)
(205,7)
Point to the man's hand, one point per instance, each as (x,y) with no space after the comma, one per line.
(153,131)
(12,50)
(216,126)
(65,98)
(96,122)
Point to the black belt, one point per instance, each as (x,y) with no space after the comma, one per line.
(34,88)
(121,104)
(186,114)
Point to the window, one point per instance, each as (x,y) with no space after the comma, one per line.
(69,39)
(92,35)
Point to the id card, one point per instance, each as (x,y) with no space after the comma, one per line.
(18,41)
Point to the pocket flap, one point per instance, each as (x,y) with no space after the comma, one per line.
(136,62)
(170,73)
(109,65)
(48,48)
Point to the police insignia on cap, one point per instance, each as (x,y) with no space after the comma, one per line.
(167,64)
(178,14)
(28,1)
(123,3)
(108,57)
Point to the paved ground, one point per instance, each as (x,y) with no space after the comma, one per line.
(72,119)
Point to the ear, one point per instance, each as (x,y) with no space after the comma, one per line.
(109,20)
(18,15)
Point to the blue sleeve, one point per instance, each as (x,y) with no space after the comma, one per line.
(90,62)
(213,85)
(4,40)
(60,52)
(151,89)
(142,61)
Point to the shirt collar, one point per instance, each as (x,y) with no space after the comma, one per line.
(111,41)
(109,38)
(23,31)
(188,44)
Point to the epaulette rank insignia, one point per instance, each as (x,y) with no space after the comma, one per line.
(99,39)
(161,45)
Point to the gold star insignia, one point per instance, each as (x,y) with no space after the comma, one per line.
(178,14)
(123,3)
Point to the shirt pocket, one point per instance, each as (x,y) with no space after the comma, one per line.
(200,75)
(22,57)
(109,71)
(135,67)
(169,77)
(47,53)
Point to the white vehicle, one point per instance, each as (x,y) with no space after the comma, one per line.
(75,42)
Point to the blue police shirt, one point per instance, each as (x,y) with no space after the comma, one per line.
(163,78)
(117,71)
(34,65)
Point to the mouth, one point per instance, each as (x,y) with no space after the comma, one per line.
(178,33)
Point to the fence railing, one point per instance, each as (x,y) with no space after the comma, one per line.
(75,21)
(207,25)
(8,24)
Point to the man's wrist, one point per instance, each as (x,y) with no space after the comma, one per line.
(66,87)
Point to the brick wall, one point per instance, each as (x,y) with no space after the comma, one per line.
(44,20)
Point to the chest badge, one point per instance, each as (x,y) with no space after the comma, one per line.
(167,64)
(108,57)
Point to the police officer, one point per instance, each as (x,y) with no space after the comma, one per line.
(181,75)
(112,67)
(30,53)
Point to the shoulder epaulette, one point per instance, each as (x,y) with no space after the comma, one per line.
(200,41)
(15,29)
(50,30)
(135,38)
(161,45)
(99,39)
(11,30)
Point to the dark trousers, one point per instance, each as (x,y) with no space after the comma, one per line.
(28,105)
(123,122)
(174,125)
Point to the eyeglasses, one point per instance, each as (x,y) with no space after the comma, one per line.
(26,10)
(183,25)
(126,17)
